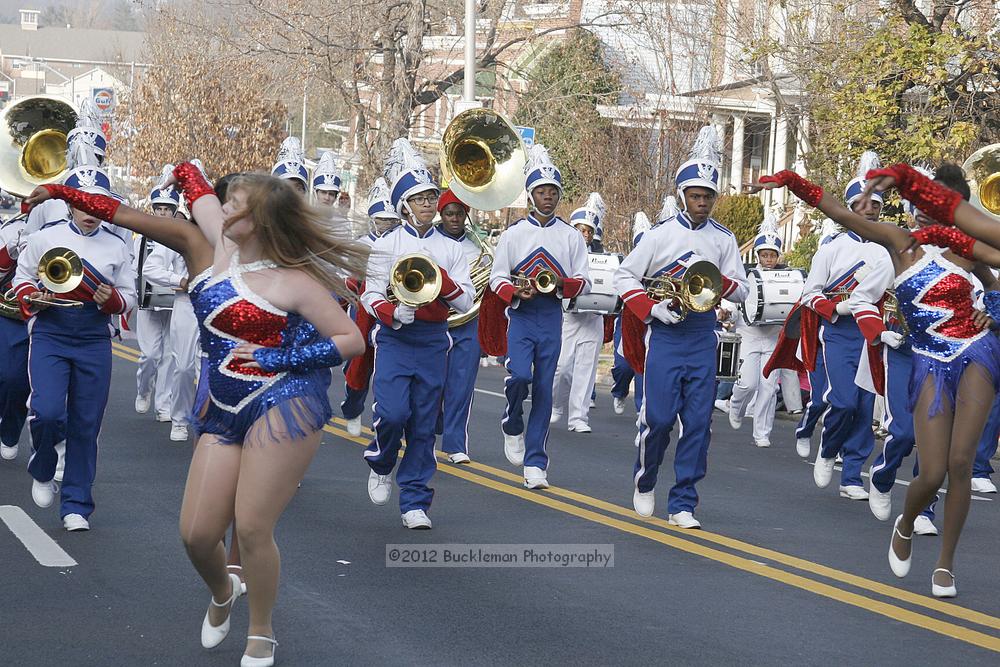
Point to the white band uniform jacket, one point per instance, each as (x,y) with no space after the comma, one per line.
(529,246)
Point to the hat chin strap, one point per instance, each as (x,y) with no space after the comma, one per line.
(531,200)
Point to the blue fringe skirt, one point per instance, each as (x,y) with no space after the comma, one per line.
(301,402)
(984,352)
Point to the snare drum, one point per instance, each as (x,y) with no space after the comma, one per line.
(152,297)
(727,356)
(602,297)
(772,295)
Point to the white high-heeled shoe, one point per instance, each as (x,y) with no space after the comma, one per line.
(250,661)
(899,567)
(943,591)
(237,570)
(212,635)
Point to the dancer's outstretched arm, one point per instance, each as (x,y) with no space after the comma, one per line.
(935,200)
(895,239)
(186,239)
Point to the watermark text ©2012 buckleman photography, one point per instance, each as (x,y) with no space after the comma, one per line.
(500,555)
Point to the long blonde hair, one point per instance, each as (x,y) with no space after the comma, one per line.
(295,235)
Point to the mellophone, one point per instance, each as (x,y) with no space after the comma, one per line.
(60,270)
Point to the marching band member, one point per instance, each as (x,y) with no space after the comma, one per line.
(382,218)
(542,244)
(622,374)
(680,359)
(756,345)
(326,180)
(463,357)
(836,269)
(291,164)
(166,268)
(411,344)
(153,327)
(816,407)
(956,359)
(70,352)
(14,387)
(582,338)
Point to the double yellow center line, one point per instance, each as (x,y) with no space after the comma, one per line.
(796,572)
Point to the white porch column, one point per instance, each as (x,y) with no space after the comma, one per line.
(718,121)
(736,173)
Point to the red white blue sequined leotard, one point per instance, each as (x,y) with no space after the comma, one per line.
(230,313)
(936,298)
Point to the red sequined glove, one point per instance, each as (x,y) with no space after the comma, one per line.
(99,206)
(805,190)
(192,183)
(933,199)
(946,237)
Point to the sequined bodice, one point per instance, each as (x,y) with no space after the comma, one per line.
(230,313)
(936,298)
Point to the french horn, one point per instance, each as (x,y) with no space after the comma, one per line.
(415,280)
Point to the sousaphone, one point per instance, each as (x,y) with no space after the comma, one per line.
(33,145)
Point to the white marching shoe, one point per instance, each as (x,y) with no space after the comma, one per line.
(75,522)
(683,520)
(853,492)
(44,493)
(722,405)
(416,520)
(580,427)
(250,661)
(513,448)
(379,487)
(178,432)
(8,453)
(822,470)
(924,526)
(162,417)
(619,404)
(644,502)
(142,404)
(979,484)
(899,566)
(212,635)
(555,416)
(354,426)
(459,457)
(880,503)
(763,442)
(735,418)
(802,447)
(943,591)
(535,478)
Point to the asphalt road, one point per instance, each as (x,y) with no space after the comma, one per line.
(783,573)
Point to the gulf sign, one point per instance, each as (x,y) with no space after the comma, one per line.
(104,99)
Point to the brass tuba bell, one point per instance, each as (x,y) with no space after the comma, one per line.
(34,152)
(415,280)
(699,291)
(983,171)
(482,159)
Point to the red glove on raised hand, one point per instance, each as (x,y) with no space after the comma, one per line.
(99,206)
(933,199)
(804,189)
(192,182)
(946,237)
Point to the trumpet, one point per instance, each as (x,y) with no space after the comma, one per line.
(415,280)
(544,281)
(891,315)
(699,291)
(838,295)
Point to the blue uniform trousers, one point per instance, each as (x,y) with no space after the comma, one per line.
(899,442)
(621,373)
(407,384)
(534,339)
(988,443)
(70,377)
(847,426)
(816,406)
(459,386)
(14,387)
(678,386)
(354,399)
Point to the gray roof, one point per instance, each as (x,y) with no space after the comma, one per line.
(72,43)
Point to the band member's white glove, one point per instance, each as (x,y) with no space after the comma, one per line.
(404,314)
(663,312)
(843,308)
(891,338)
